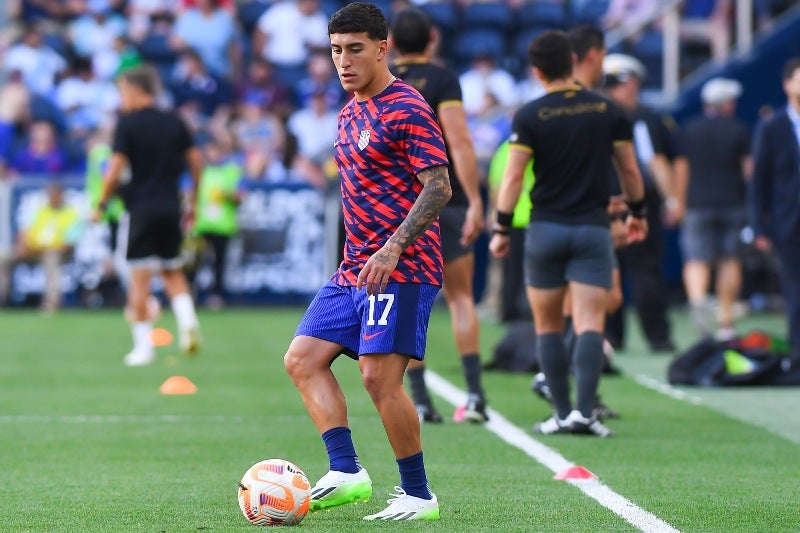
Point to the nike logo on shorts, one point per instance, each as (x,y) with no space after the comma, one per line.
(368,336)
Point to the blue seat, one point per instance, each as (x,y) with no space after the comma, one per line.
(589,11)
(472,43)
(522,41)
(329,7)
(488,15)
(542,14)
(649,49)
(250,12)
(57,42)
(156,48)
(444,15)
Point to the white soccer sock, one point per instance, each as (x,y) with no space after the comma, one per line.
(183,307)
(141,336)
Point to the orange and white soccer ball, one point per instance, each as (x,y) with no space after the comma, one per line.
(274,492)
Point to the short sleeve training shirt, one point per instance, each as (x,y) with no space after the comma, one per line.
(571,134)
(381,146)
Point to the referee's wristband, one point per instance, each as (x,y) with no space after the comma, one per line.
(637,209)
(504,219)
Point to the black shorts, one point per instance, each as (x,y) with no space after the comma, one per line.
(154,240)
(556,254)
(451,221)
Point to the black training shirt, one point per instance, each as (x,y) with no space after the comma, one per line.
(155,143)
(571,133)
(440,87)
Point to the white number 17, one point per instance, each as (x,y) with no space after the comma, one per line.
(389,299)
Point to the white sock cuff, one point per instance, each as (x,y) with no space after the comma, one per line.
(183,307)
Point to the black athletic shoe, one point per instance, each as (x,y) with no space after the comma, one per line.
(540,387)
(429,414)
(602,411)
(580,425)
(475,411)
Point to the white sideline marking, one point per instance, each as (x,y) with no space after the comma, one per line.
(550,458)
(666,389)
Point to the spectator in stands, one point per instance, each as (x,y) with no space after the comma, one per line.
(708,21)
(774,202)
(320,78)
(287,32)
(710,182)
(489,127)
(39,64)
(258,130)
(260,87)
(52,234)
(485,76)
(42,154)
(640,263)
(629,15)
(217,202)
(203,99)
(85,100)
(14,112)
(141,14)
(95,31)
(314,127)
(211,31)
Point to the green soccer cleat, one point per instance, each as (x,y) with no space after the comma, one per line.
(338,488)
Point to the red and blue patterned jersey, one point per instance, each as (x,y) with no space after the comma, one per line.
(382,144)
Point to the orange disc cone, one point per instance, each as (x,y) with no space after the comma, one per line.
(178,385)
(160,337)
(574,472)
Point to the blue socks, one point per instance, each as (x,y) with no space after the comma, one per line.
(412,476)
(341,452)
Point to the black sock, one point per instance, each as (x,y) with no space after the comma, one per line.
(588,366)
(554,364)
(569,338)
(471,363)
(416,378)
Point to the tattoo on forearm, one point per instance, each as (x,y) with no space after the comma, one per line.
(434,196)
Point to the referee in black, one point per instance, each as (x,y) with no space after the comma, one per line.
(571,134)
(156,147)
(461,220)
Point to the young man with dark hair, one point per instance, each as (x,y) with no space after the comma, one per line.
(571,131)
(461,220)
(157,147)
(393,167)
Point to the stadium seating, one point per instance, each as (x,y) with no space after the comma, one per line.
(542,15)
(487,15)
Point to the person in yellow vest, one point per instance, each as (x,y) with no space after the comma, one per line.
(97,160)
(513,303)
(52,234)
(217,204)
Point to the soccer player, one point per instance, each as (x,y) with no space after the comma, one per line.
(462,218)
(391,158)
(156,145)
(571,131)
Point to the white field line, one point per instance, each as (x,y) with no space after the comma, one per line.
(666,389)
(114,419)
(551,459)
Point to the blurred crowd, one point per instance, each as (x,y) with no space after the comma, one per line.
(255,82)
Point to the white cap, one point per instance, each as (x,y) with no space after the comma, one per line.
(720,90)
(621,67)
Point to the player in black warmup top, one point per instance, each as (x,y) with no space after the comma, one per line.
(461,220)
(571,133)
(156,145)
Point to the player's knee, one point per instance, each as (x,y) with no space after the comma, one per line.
(614,300)
(374,383)
(294,364)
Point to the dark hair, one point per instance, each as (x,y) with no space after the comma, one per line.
(584,38)
(144,77)
(411,31)
(360,17)
(789,67)
(551,53)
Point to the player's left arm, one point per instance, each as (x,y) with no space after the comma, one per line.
(434,196)
(456,134)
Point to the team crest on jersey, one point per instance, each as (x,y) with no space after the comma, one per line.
(363,139)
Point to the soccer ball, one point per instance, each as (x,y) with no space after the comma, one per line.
(274,492)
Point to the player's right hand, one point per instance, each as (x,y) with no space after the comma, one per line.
(96,216)
(637,229)
(500,245)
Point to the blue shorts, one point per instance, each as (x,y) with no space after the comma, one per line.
(395,321)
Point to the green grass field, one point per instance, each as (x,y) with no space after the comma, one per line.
(87,444)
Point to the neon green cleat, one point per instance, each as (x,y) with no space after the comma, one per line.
(405,507)
(338,488)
